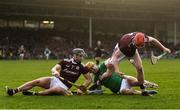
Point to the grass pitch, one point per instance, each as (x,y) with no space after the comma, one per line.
(166,73)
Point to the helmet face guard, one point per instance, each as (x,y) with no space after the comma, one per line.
(79,51)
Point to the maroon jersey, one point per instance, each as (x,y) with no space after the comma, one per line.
(71,70)
(126,46)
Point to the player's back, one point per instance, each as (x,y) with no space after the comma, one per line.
(125,44)
(113,82)
(71,70)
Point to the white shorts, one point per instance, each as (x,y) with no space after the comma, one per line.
(55,82)
(124,85)
(22,55)
(47,55)
(116,57)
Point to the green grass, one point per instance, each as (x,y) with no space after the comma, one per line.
(166,73)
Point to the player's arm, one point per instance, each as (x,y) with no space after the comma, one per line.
(117,71)
(108,73)
(86,83)
(158,44)
(56,70)
(121,74)
(112,64)
(130,92)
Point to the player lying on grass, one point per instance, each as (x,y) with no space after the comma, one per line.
(118,82)
(69,69)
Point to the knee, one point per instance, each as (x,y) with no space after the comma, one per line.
(57,90)
(36,82)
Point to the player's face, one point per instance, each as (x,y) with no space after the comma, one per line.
(79,57)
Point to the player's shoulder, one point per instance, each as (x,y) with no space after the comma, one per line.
(64,61)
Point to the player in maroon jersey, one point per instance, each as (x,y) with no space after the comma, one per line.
(69,69)
(127,47)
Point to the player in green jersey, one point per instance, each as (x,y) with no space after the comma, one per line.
(118,82)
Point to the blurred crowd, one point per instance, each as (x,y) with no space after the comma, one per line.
(19,43)
(53,51)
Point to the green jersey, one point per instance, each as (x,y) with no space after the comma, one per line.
(113,82)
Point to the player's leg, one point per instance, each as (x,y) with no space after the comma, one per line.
(21,56)
(126,88)
(140,71)
(47,56)
(134,82)
(55,90)
(97,58)
(55,87)
(43,82)
(130,92)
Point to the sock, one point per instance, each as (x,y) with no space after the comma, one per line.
(142,87)
(16,90)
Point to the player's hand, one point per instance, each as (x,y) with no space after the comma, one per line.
(167,50)
(79,92)
(56,74)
